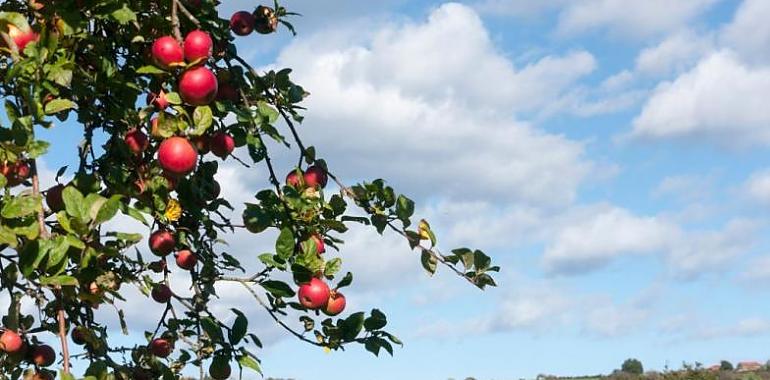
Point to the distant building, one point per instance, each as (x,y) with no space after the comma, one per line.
(715,368)
(748,366)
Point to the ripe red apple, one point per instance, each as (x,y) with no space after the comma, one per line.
(158,100)
(242,23)
(162,242)
(21,38)
(166,51)
(137,141)
(265,20)
(161,293)
(219,370)
(314,294)
(319,243)
(10,342)
(315,176)
(198,86)
(43,355)
(160,347)
(293,179)
(185,259)
(78,335)
(197,46)
(54,199)
(177,156)
(221,144)
(335,305)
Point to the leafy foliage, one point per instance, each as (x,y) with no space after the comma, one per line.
(91,64)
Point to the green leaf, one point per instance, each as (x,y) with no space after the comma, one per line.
(173,98)
(124,15)
(429,262)
(17,19)
(347,280)
(269,113)
(249,362)
(107,210)
(150,69)
(352,325)
(58,105)
(481,261)
(202,120)
(59,281)
(17,207)
(284,245)
(74,203)
(373,345)
(278,288)
(240,325)
(404,209)
(212,329)
(333,266)
(376,321)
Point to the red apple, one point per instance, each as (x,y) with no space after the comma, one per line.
(198,86)
(10,342)
(54,198)
(294,179)
(185,259)
(242,23)
(315,176)
(221,144)
(265,20)
(335,305)
(166,52)
(197,46)
(43,355)
(314,294)
(21,38)
(158,100)
(78,335)
(177,156)
(160,347)
(162,242)
(219,370)
(161,293)
(137,141)
(319,243)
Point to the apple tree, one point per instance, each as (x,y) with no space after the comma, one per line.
(161,98)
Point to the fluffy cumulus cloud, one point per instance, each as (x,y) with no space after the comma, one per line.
(676,53)
(431,103)
(720,100)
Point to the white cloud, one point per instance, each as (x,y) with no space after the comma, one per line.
(721,100)
(592,237)
(415,102)
(634,18)
(599,235)
(676,53)
(749,31)
(758,187)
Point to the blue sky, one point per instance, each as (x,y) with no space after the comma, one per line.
(610,155)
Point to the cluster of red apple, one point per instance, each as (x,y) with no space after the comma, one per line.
(15,173)
(263,20)
(40,355)
(316,294)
